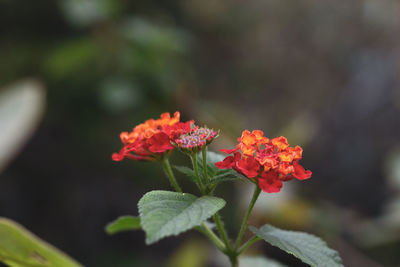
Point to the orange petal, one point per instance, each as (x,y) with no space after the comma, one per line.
(286,156)
(280,143)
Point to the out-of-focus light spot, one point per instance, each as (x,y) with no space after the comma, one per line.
(118,95)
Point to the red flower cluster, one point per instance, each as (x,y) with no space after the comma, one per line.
(151,139)
(268,161)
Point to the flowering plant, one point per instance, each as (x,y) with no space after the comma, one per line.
(267,163)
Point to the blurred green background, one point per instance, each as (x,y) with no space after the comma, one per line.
(323,73)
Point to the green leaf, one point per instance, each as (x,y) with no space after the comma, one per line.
(21,248)
(123,223)
(228,175)
(217,175)
(308,248)
(164,213)
(258,261)
(212,158)
(187,171)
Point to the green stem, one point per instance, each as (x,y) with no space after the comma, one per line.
(213,237)
(233,259)
(222,231)
(217,218)
(246,245)
(170,174)
(204,154)
(256,193)
(196,172)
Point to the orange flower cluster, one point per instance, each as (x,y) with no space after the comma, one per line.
(268,161)
(152,139)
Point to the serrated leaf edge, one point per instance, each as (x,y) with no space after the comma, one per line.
(150,241)
(337,259)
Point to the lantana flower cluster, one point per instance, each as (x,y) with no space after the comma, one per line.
(152,139)
(268,162)
(156,138)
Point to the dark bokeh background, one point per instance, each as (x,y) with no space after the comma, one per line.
(323,73)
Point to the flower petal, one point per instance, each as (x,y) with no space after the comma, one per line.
(248,166)
(300,173)
(228,151)
(228,162)
(160,143)
(269,182)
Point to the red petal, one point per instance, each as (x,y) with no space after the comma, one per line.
(249,167)
(138,158)
(179,128)
(299,172)
(159,143)
(270,182)
(228,162)
(228,151)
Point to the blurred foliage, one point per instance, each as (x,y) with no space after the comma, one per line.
(19,248)
(123,223)
(191,253)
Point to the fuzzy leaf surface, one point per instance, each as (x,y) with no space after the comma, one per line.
(165,213)
(308,248)
(227,176)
